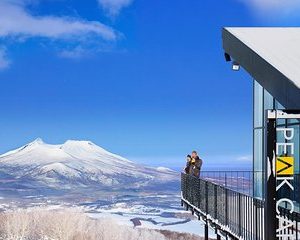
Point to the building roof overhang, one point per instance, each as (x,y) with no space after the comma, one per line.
(271,56)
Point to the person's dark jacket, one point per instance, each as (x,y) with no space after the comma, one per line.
(197,162)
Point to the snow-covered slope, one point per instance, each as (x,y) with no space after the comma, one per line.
(74,165)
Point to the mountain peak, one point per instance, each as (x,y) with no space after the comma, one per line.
(78,142)
(38,141)
(78,149)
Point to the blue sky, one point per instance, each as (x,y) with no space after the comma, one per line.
(144,79)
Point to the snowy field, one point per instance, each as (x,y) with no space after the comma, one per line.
(151,218)
(130,212)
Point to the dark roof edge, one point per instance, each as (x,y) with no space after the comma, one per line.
(277,84)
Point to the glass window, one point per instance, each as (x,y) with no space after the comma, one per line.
(258,184)
(258,149)
(295,121)
(258,105)
(258,163)
(278,105)
(268,102)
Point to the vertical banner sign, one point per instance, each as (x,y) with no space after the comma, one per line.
(279,173)
(270,188)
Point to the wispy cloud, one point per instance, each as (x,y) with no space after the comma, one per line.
(17,25)
(76,53)
(245,158)
(4,61)
(273,7)
(15,21)
(113,7)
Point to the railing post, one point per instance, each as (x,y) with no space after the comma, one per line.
(206,211)
(188,187)
(255,219)
(182,189)
(206,197)
(206,231)
(216,201)
(240,214)
(198,193)
(191,185)
(226,206)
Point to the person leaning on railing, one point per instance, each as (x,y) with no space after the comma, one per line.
(197,164)
(193,164)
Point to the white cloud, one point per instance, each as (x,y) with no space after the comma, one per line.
(21,2)
(113,7)
(245,158)
(15,21)
(4,61)
(75,53)
(271,7)
(17,24)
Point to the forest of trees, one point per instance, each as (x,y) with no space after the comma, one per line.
(70,224)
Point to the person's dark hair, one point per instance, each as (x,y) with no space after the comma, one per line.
(194,152)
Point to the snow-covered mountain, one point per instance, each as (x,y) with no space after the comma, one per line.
(75,165)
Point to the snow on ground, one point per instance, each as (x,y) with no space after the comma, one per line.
(160,219)
(172,224)
(127,213)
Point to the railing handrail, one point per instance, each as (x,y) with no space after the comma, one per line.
(238,180)
(226,188)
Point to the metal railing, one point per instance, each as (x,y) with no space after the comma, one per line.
(240,181)
(244,181)
(232,213)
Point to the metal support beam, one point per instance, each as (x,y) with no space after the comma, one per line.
(206,231)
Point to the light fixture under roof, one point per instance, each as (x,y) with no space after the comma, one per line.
(235,66)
